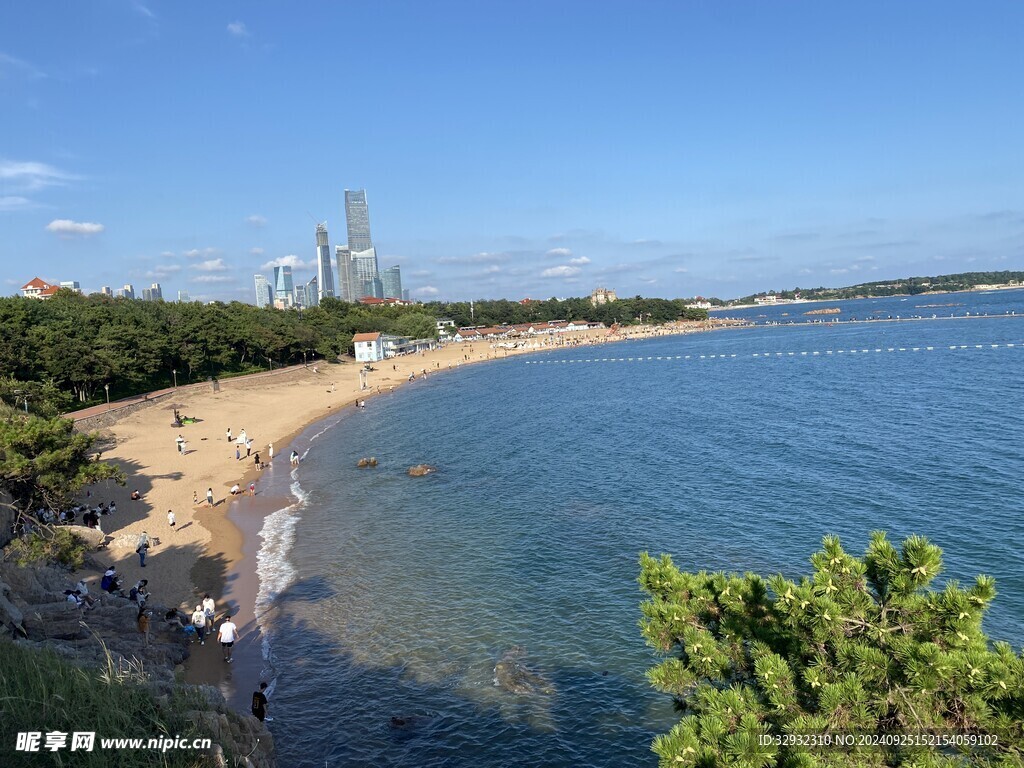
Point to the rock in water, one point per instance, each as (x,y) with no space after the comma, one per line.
(420,470)
(512,675)
(367,462)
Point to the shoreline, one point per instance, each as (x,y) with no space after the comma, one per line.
(213,549)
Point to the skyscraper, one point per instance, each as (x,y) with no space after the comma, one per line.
(183,297)
(391,279)
(153,293)
(264,294)
(312,293)
(364,272)
(346,291)
(324,273)
(357,215)
(284,287)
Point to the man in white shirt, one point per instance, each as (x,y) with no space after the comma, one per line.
(199,622)
(209,608)
(228,636)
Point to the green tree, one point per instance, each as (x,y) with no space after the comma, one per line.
(44,463)
(861,647)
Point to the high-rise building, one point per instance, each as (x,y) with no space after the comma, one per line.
(324,273)
(74,285)
(405,294)
(346,291)
(264,292)
(357,216)
(127,292)
(183,297)
(391,279)
(105,290)
(364,272)
(284,287)
(153,293)
(312,294)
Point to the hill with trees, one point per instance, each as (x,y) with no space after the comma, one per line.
(909,286)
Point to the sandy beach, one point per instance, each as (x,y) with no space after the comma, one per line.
(211,549)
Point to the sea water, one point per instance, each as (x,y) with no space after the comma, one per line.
(385,596)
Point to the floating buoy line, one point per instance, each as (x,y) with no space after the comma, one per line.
(773,355)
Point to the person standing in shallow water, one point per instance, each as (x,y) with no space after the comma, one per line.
(259,703)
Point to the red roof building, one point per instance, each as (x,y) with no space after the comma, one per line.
(38,289)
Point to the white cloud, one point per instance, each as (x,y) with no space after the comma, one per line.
(212,265)
(30,176)
(681,270)
(841,271)
(197,253)
(492,269)
(559,252)
(257,251)
(212,279)
(256,220)
(290,260)
(238,29)
(579,260)
(562,270)
(163,270)
(15,203)
(20,65)
(476,258)
(69,228)
(426,290)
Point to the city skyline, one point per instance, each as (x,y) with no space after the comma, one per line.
(699,149)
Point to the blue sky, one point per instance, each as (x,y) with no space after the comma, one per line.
(536,148)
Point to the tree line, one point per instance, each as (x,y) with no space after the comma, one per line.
(70,348)
(74,349)
(912,286)
(505,312)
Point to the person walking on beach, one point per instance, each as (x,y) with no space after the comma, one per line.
(199,622)
(259,703)
(248,448)
(142,549)
(209,608)
(181,444)
(142,621)
(270,451)
(195,498)
(252,489)
(256,460)
(294,459)
(229,434)
(209,496)
(238,452)
(228,636)
(170,519)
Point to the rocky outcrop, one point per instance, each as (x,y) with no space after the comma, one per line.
(420,470)
(34,610)
(367,462)
(511,674)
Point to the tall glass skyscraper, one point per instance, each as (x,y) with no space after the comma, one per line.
(364,273)
(391,279)
(346,291)
(357,215)
(284,287)
(324,273)
(264,293)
